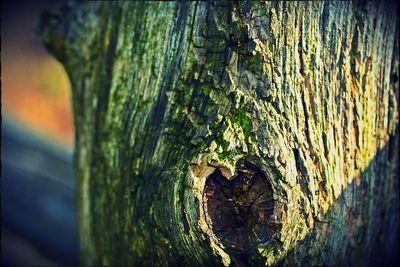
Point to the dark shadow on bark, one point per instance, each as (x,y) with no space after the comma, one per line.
(369,210)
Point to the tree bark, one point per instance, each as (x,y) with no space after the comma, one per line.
(246,133)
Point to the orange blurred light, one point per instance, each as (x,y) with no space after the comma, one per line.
(36,93)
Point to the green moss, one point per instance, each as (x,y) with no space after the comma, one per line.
(148,104)
(271,252)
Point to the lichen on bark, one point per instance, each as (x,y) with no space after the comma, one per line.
(166,94)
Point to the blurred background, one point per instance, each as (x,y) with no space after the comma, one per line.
(38,205)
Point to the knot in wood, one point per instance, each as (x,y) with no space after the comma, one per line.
(239,210)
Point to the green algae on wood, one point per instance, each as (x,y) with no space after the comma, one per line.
(165,94)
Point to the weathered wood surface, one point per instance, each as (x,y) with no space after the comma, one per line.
(167,94)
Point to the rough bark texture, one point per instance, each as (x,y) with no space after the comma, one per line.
(182,109)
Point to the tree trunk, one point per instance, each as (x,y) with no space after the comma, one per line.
(217,133)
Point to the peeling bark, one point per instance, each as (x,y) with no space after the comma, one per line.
(167,96)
